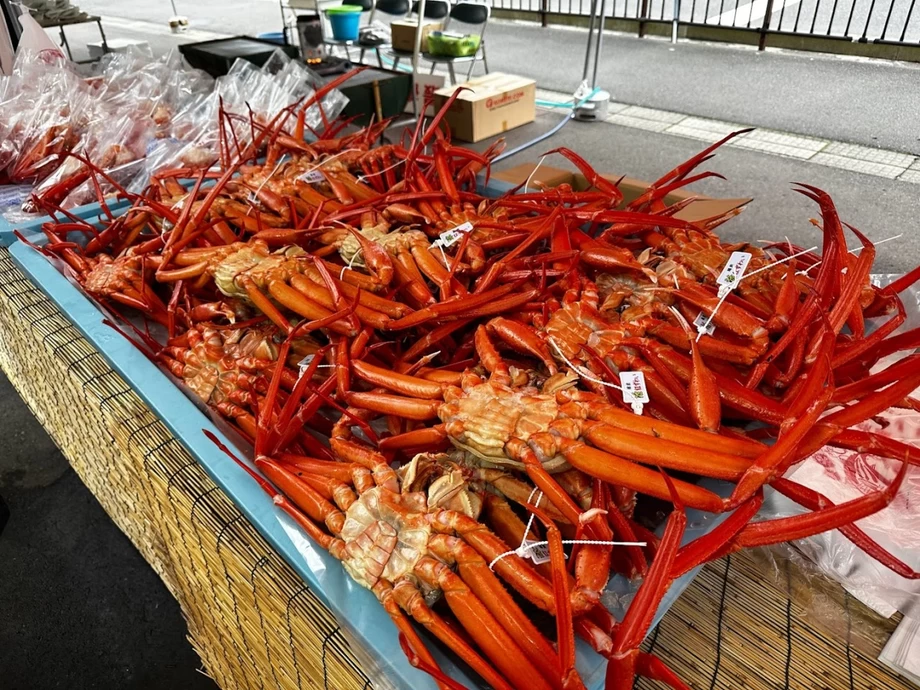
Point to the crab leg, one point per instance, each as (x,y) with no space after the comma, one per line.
(413,603)
(476,574)
(622,664)
(489,635)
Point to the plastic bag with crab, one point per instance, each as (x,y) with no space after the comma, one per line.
(55,109)
(300,81)
(842,475)
(116,145)
(152,88)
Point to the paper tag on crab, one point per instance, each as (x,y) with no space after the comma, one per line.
(453,235)
(303,364)
(733,272)
(536,551)
(704,324)
(312,177)
(635,394)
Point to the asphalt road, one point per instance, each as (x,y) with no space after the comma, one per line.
(79,607)
(869,102)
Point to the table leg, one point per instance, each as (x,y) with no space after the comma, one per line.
(66,44)
(105,43)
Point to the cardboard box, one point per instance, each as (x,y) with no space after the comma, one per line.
(489,105)
(402,34)
(701,209)
(545,176)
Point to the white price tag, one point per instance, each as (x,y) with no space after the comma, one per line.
(452,236)
(635,394)
(536,551)
(704,324)
(733,272)
(312,177)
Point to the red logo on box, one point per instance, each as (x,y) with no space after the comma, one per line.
(504,99)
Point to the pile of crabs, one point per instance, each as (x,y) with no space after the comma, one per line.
(431,378)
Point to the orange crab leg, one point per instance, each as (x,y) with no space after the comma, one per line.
(621,667)
(484,584)
(670,454)
(616,470)
(489,635)
(411,601)
(409,639)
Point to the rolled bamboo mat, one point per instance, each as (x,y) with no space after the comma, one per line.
(746,622)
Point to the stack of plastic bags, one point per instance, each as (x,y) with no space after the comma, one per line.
(134,116)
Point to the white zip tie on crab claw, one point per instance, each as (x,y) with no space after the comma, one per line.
(806,271)
(578,370)
(350,264)
(635,393)
(450,237)
(732,274)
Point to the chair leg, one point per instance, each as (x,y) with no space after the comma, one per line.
(433,65)
(395,63)
(453,77)
(469,74)
(361,56)
(380,59)
(485,65)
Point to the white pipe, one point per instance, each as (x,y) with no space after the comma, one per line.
(415,53)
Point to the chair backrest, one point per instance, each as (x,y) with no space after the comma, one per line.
(365,5)
(474,13)
(396,8)
(434,9)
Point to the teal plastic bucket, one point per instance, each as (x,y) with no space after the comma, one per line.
(344,20)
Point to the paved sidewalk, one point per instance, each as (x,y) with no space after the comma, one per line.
(835,154)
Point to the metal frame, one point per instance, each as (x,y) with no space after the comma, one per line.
(895,22)
(89,20)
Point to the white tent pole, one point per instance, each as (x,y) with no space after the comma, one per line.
(415,53)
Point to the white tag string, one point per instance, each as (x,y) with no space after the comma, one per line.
(362,178)
(351,262)
(567,542)
(724,292)
(533,172)
(577,369)
(849,251)
(532,515)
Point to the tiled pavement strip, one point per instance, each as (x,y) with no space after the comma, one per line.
(835,154)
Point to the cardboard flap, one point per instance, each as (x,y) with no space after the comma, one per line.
(707,209)
(545,176)
(702,208)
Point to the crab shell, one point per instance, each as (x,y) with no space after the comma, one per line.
(485,417)
(381,542)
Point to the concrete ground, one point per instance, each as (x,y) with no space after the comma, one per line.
(78,606)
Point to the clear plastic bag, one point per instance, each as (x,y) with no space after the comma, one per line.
(842,475)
